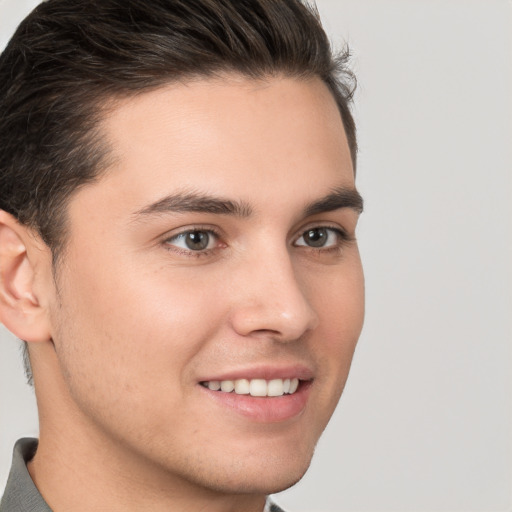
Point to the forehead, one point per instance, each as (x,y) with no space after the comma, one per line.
(231,137)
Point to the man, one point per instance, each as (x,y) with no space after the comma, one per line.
(177,249)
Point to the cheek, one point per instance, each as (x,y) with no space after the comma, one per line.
(127,349)
(131,330)
(340,307)
(339,302)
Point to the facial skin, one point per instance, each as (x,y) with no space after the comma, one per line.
(136,320)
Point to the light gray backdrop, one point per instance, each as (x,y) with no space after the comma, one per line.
(426,420)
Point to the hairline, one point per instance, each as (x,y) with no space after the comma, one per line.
(104,104)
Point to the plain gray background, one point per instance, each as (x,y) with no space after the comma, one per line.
(425,423)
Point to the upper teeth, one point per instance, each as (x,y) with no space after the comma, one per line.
(254,387)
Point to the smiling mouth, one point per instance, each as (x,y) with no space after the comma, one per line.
(254,387)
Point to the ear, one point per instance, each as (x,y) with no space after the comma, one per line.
(21,309)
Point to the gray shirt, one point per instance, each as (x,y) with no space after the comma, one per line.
(21,495)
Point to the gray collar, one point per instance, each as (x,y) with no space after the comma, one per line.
(21,495)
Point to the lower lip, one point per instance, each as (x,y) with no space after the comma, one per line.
(264,409)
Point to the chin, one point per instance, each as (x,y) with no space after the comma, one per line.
(267,476)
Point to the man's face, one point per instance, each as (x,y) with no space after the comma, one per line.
(218,248)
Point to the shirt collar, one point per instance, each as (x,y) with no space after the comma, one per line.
(21,494)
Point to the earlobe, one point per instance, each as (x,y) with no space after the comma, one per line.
(20,308)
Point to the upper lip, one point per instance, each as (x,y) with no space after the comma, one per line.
(264,371)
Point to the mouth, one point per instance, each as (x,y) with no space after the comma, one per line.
(255,387)
(261,400)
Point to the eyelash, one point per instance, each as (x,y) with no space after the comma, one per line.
(342,239)
(190,252)
(342,235)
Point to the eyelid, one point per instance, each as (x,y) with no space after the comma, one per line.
(342,238)
(340,230)
(168,238)
(175,232)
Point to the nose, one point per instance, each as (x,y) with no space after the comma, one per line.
(270,300)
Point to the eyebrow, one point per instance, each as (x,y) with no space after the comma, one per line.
(340,197)
(197,203)
(202,203)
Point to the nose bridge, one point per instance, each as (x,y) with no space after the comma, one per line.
(272,299)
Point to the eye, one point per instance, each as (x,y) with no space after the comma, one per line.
(320,237)
(194,240)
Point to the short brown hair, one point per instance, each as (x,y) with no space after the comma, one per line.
(69,56)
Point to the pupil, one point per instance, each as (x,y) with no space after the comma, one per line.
(316,237)
(197,240)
